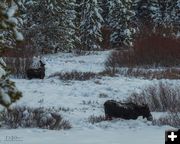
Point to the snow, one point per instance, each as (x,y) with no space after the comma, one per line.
(18,35)
(5,97)
(13,20)
(90,136)
(2,61)
(11,11)
(2,71)
(36,63)
(127,32)
(63,62)
(83,99)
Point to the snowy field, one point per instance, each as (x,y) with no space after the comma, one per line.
(83,99)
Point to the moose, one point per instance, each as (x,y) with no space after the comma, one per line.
(36,72)
(129,110)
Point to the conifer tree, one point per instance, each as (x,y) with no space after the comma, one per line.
(90,24)
(162,15)
(8,24)
(120,18)
(50,25)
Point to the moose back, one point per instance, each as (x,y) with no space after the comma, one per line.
(126,110)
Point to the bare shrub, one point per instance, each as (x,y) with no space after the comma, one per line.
(103,95)
(149,50)
(18,66)
(161,97)
(166,73)
(96,119)
(19,59)
(118,59)
(91,103)
(81,76)
(156,50)
(26,117)
(173,119)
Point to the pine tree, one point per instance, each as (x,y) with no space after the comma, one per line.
(120,18)
(90,24)
(8,24)
(50,25)
(143,12)
(160,10)
(159,14)
(77,22)
(70,25)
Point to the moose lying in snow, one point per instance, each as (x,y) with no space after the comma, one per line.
(36,72)
(126,110)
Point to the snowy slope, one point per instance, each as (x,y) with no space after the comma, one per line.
(83,99)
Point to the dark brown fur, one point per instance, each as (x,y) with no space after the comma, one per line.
(126,110)
(36,73)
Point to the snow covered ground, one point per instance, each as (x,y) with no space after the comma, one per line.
(83,99)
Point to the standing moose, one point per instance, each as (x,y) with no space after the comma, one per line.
(37,70)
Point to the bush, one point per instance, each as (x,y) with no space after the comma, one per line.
(166,73)
(18,66)
(122,58)
(75,75)
(173,119)
(19,59)
(162,97)
(26,117)
(156,50)
(149,51)
(96,119)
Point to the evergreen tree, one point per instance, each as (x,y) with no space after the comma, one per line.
(119,18)
(9,33)
(104,4)
(90,24)
(143,12)
(70,24)
(161,15)
(77,22)
(50,25)
(8,24)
